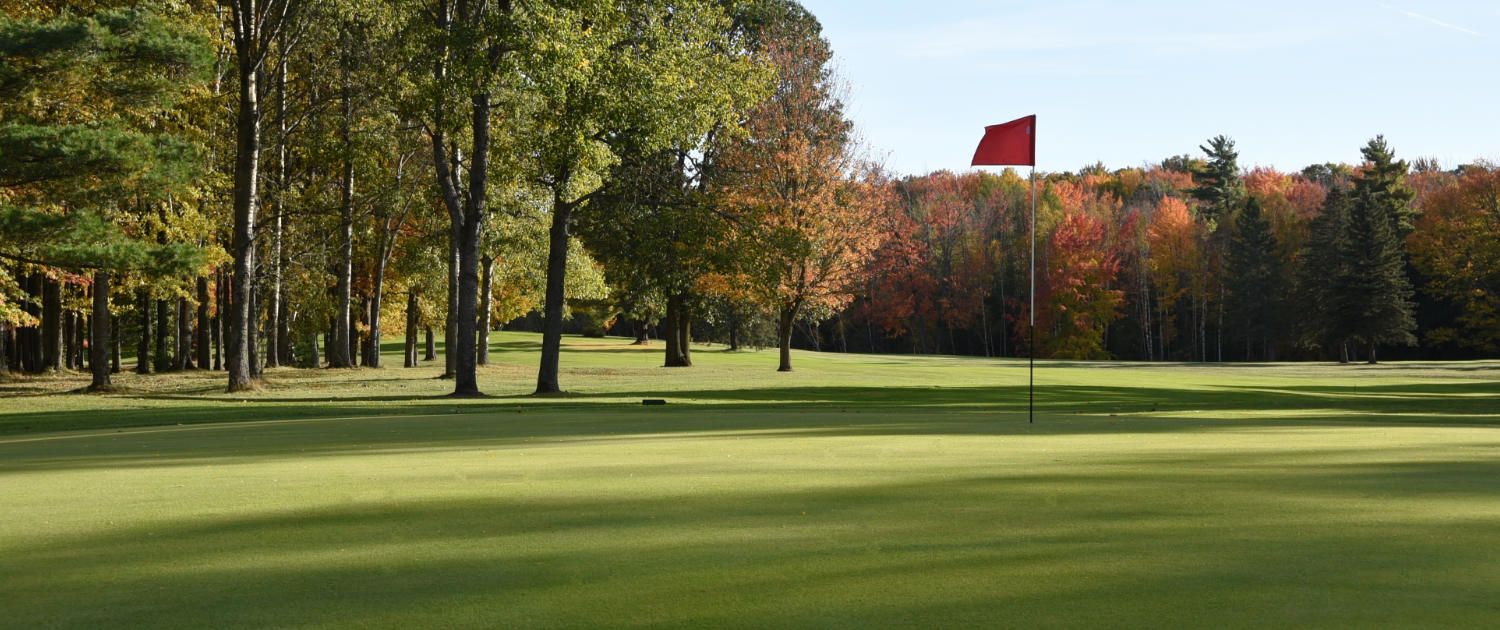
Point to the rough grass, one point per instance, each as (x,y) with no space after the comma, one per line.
(858,491)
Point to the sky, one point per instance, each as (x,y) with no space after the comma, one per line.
(1131,83)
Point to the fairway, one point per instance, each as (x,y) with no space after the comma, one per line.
(859,491)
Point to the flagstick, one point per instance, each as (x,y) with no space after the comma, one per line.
(1031,368)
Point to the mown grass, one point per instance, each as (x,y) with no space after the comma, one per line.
(859,491)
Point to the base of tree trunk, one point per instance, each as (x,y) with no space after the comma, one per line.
(784,369)
(101,389)
(252,385)
(473,394)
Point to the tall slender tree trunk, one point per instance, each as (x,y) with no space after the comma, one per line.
(100,344)
(429,345)
(52,325)
(69,337)
(246,201)
(339,349)
(377,298)
(143,347)
(685,331)
(784,335)
(486,297)
(203,323)
(1371,360)
(114,344)
(411,328)
(449,326)
(677,353)
(557,265)
(184,335)
(164,362)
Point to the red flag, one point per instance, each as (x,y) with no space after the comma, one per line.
(1010,144)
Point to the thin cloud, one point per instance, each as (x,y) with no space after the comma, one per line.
(1431,20)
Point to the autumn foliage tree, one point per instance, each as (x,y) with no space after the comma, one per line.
(812,209)
(1457,245)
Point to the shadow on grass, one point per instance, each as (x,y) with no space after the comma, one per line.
(1128,543)
(1447,403)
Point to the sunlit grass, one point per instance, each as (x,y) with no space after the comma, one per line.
(859,491)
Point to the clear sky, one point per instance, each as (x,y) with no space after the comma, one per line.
(1130,83)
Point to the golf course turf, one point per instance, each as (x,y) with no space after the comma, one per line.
(859,491)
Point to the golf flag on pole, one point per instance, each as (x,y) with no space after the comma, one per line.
(1008,144)
(1014,144)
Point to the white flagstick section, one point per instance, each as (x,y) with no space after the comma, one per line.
(1031,368)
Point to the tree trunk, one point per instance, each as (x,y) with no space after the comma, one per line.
(221,319)
(685,331)
(203,323)
(164,361)
(52,325)
(276,341)
(246,203)
(1371,360)
(143,348)
(339,348)
(642,333)
(99,345)
(377,297)
(677,353)
(69,339)
(353,330)
(255,326)
(784,337)
(448,322)
(430,350)
(314,361)
(486,296)
(411,328)
(734,330)
(184,335)
(557,265)
(114,345)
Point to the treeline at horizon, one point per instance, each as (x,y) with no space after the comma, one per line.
(1192,259)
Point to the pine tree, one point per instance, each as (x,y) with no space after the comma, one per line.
(1221,192)
(1380,310)
(1383,185)
(1322,271)
(1254,279)
(1375,292)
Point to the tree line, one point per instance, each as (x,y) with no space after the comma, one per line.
(259,183)
(1192,259)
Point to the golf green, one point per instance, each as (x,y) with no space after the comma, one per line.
(858,491)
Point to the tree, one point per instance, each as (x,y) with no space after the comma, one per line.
(1376,292)
(1220,193)
(1255,292)
(1456,245)
(1075,302)
(67,167)
(255,26)
(642,76)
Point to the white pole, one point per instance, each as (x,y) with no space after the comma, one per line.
(1031,369)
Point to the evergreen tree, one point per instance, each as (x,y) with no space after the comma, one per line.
(80,133)
(1321,272)
(1221,192)
(1375,293)
(1382,184)
(1254,278)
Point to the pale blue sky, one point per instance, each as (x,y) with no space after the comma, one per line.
(1130,83)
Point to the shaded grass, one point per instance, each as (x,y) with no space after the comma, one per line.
(852,493)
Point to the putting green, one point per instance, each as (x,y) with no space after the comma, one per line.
(857,492)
